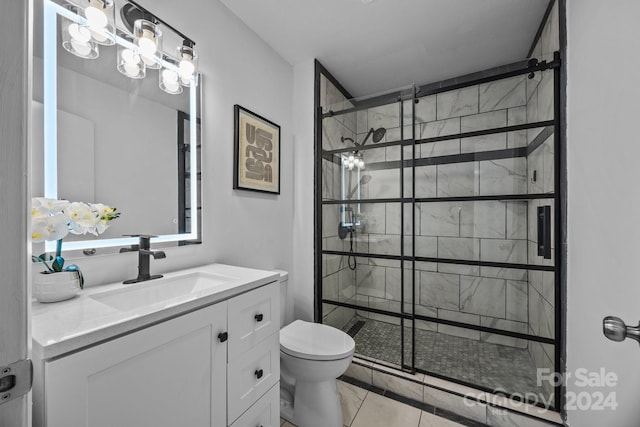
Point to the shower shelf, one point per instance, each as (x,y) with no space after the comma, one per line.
(509,265)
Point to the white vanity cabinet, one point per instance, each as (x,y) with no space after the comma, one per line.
(170,374)
(213,367)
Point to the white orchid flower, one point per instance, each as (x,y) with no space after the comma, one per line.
(49,228)
(54,205)
(39,212)
(82,219)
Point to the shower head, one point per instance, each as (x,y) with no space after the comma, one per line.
(364,179)
(378,134)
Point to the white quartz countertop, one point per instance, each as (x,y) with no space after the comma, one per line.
(63,327)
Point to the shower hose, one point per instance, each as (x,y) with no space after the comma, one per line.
(351,259)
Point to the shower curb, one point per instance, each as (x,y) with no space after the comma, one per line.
(450,400)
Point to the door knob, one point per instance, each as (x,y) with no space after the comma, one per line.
(616,330)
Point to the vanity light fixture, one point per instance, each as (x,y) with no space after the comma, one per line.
(148,37)
(100,16)
(130,62)
(139,41)
(76,38)
(170,78)
(188,63)
(353,160)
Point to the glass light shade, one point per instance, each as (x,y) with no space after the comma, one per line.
(76,39)
(130,63)
(148,37)
(152,62)
(170,78)
(188,64)
(100,16)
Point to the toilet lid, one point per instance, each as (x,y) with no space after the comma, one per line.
(315,341)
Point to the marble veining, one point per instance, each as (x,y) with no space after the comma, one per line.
(503,93)
(483,296)
(461,102)
(458,179)
(440,219)
(503,176)
(517,301)
(483,219)
(440,290)
(504,250)
(459,248)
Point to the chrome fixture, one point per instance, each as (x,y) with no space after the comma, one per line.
(352,160)
(139,42)
(144,254)
(616,330)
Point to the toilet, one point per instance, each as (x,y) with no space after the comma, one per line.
(312,356)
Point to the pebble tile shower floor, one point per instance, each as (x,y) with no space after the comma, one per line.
(490,365)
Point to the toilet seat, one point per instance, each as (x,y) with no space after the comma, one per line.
(315,341)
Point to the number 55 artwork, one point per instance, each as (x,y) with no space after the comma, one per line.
(257,152)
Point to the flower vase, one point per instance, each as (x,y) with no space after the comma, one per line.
(53,287)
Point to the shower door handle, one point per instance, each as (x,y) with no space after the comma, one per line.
(616,330)
(544,231)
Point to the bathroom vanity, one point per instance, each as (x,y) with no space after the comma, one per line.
(199,347)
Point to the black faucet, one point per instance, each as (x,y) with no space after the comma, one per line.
(144,254)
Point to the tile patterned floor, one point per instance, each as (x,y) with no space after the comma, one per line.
(490,365)
(362,408)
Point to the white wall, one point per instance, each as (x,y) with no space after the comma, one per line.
(604,203)
(239,227)
(302,280)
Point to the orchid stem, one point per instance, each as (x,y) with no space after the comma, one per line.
(59,248)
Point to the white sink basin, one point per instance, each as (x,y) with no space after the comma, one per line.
(160,290)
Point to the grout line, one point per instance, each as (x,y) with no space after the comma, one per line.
(359,407)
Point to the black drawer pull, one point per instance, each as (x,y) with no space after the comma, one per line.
(259,317)
(259,373)
(223,336)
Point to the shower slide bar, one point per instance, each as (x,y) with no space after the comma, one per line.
(409,316)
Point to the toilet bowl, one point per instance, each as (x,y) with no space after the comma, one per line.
(312,356)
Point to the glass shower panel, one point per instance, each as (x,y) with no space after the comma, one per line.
(438,253)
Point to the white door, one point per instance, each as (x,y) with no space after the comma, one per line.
(603,122)
(15,103)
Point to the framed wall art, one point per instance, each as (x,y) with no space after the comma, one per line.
(257,152)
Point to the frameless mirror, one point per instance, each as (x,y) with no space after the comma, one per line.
(116,123)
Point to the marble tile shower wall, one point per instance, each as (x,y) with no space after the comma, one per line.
(338,281)
(540,105)
(481,230)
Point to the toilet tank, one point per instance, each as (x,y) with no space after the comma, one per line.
(286,299)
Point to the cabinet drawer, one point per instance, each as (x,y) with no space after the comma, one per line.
(253,317)
(264,413)
(250,375)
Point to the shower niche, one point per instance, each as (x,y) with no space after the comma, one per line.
(437,226)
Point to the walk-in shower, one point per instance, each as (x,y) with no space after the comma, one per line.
(439,256)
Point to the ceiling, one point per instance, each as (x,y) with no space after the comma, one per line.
(379,45)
